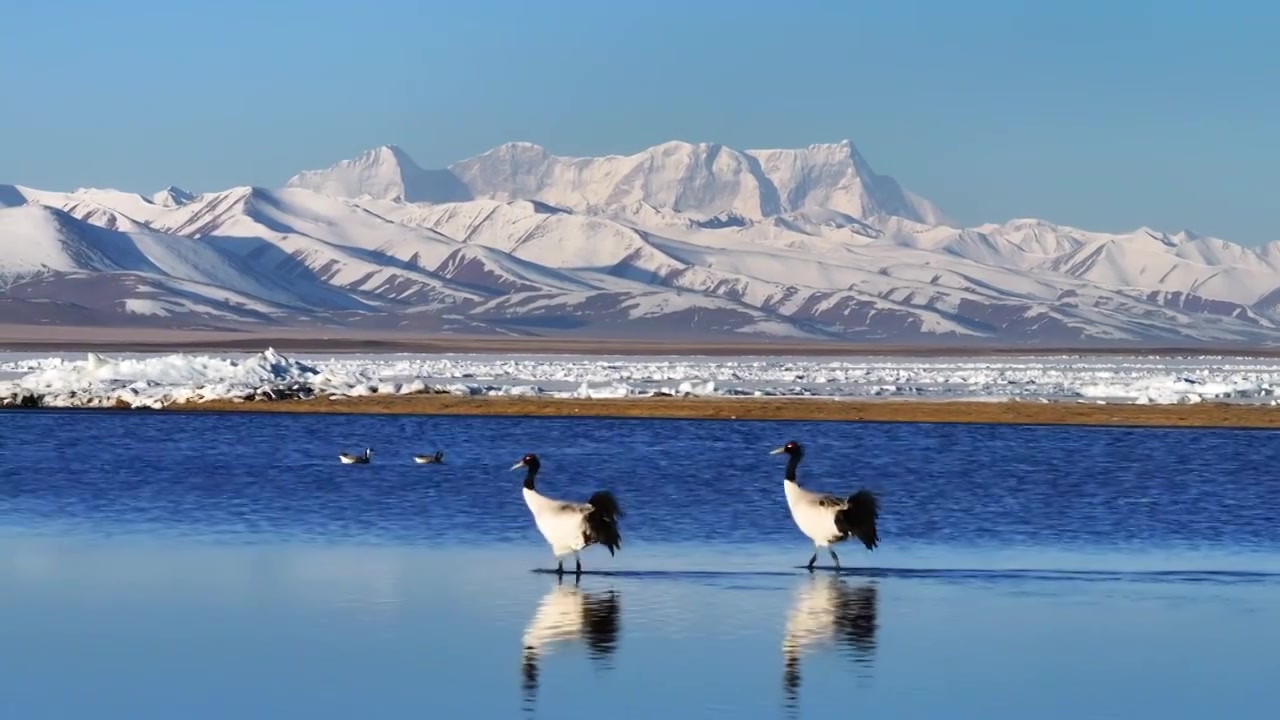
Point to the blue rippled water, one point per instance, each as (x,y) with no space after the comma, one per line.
(227,566)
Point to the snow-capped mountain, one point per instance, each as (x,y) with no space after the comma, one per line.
(385,173)
(704,180)
(680,241)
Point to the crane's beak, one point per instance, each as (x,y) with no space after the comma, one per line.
(779,451)
(518,465)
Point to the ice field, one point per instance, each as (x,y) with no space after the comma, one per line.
(153,380)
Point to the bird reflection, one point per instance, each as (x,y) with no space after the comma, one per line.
(568,613)
(826,611)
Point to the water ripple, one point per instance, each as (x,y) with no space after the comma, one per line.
(689,481)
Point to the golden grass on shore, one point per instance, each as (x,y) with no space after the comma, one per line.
(920,411)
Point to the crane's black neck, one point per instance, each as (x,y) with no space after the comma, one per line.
(793,462)
(531,471)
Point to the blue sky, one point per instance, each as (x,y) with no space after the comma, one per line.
(1106,116)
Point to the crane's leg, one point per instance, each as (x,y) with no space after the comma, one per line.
(834,557)
(813,560)
(559,566)
(577,562)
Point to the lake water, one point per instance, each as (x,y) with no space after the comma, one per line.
(227,566)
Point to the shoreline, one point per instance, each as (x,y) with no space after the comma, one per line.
(1203,415)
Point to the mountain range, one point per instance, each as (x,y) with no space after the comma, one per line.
(680,241)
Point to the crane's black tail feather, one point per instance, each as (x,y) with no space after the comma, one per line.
(602,521)
(859,518)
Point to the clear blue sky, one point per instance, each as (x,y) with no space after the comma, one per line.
(1102,115)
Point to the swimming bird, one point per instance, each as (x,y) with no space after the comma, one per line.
(568,526)
(827,519)
(349,459)
(429,459)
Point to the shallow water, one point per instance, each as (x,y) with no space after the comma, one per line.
(226,566)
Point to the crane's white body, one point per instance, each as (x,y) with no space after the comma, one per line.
(562,524)
(814,513)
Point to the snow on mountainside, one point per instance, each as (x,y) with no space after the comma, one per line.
(677,241)
(384,173)
(705,179)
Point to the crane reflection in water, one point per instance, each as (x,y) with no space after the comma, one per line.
(569,614)
(827,612)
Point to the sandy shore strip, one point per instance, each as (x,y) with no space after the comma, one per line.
(1207,414)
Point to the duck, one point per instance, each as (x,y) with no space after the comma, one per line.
(430,459)
(569,527)
(349,459)
(826,519)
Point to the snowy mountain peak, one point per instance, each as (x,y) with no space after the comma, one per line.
(680,240)
(172,196)
(516,148)
(835,176)
(32,214)
(704,179)
(378,173)
(382,173)
(392,156)
(835,151)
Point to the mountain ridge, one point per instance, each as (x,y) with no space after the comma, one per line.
(675,174)
(680,240)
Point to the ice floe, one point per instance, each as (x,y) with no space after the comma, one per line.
(155,380)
